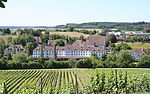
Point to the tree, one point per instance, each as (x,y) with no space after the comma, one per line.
(29,48)
(41,52)
(144,62)
(59,42)
(19,58)
(104,32)
(3,63)
(81,37)
(1,3)
(24,39)
(45,38)
(55,52)
(71,28)
(95,60)
(122,46)
(124,59)
(86,63)
(9,41)
(2,47)
(7,31)
(111,38)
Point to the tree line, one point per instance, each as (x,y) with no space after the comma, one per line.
(138,26)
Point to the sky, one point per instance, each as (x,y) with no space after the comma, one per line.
(58,12)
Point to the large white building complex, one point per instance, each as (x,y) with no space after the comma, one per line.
(95,44)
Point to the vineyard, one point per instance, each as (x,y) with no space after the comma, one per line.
(18,81)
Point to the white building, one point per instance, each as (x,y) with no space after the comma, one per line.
(68,51)
(116,33)
(96,44)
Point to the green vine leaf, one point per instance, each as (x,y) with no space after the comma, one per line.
(2,5)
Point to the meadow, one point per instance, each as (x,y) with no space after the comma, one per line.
(71,34)
(57,79)
(137,45)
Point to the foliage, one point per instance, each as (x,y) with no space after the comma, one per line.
(87,63)
(66,82)
(124,59)
(104,32)
(111,38)
(29,48)
(117,83)
(137,38)
(71,28)
(138,26)
(30,31)
(2,47)
(1,3)
(144,62)
(50,64)
(122,46)
(59,42)
(6,31)
(24,39)
(19,58)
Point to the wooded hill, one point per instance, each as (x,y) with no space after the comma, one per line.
(138,26)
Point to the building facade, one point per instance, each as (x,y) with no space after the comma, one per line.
(96,44)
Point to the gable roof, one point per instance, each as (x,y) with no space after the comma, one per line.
(94,40)
(97,40)
(16,47)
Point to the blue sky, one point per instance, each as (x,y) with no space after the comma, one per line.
(56,12)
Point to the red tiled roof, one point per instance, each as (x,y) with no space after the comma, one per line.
(94,40)
(79,45)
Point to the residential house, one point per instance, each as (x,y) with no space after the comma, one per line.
(14,49)
(138,53)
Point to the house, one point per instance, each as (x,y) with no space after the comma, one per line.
(14,49)
(116,33)
(138,53)
(96,44)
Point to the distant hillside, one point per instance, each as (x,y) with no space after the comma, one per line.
(13,27)
(110,25)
